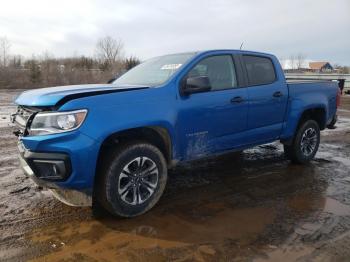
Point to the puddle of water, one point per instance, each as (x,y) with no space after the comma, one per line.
(335,207)
(122,239)
(95,241)
(304,202)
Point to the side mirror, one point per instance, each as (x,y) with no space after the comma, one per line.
(196,85)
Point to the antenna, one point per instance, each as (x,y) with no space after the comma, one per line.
(240,48)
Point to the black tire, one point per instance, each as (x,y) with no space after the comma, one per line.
(332,124)
(98,211)
(305,143)
(114,179)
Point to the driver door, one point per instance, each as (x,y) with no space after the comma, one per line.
(215,120)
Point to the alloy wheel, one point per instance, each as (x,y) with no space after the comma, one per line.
(138,180)
(308,141)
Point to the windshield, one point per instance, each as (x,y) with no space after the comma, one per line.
(154,71)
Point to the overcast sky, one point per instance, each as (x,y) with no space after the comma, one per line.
(320,29)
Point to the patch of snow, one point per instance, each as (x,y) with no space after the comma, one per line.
(343,124)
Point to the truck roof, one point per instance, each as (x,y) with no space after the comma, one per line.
(198,52)
(233,50)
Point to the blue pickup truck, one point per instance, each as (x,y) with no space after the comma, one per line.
(110,145)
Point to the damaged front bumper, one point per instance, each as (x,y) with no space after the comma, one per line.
(46,168)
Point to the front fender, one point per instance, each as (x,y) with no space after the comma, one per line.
(112,113)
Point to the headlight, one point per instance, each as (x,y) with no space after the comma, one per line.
(56,122)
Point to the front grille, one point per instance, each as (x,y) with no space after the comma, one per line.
(22,119)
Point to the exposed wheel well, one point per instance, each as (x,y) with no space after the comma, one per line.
(317,114)
(157,136)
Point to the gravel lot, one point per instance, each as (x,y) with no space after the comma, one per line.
(252,206)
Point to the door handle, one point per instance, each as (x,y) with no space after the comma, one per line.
(237,99)
(277,94)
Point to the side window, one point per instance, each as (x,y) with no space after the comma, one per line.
(219,69)
(260,70)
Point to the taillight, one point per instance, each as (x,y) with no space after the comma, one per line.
(338,98)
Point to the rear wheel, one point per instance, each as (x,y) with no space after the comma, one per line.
(305,143)
(133,179)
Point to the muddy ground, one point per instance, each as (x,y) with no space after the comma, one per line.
(253,206)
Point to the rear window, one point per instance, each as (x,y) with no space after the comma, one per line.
(260,70)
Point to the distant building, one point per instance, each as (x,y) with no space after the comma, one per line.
(294,66)
(321,67)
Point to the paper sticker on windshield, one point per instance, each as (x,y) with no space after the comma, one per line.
(170,66)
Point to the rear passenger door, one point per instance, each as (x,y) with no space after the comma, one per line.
(267,97)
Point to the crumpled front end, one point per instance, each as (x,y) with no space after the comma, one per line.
(63,163)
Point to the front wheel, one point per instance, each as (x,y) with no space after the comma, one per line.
(305,143)
(133,179)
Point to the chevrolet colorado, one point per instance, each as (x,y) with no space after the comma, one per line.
(111,144)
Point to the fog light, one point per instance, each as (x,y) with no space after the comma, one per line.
(50,169)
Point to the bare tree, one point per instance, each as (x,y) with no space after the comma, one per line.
(16,61)
(109,50)
(292,62)
(300,61)
(342,69)
(130,62)
(46,70)
(5,46)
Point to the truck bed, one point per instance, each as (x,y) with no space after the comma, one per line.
(314,92)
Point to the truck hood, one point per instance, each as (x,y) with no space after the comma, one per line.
(56,96)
